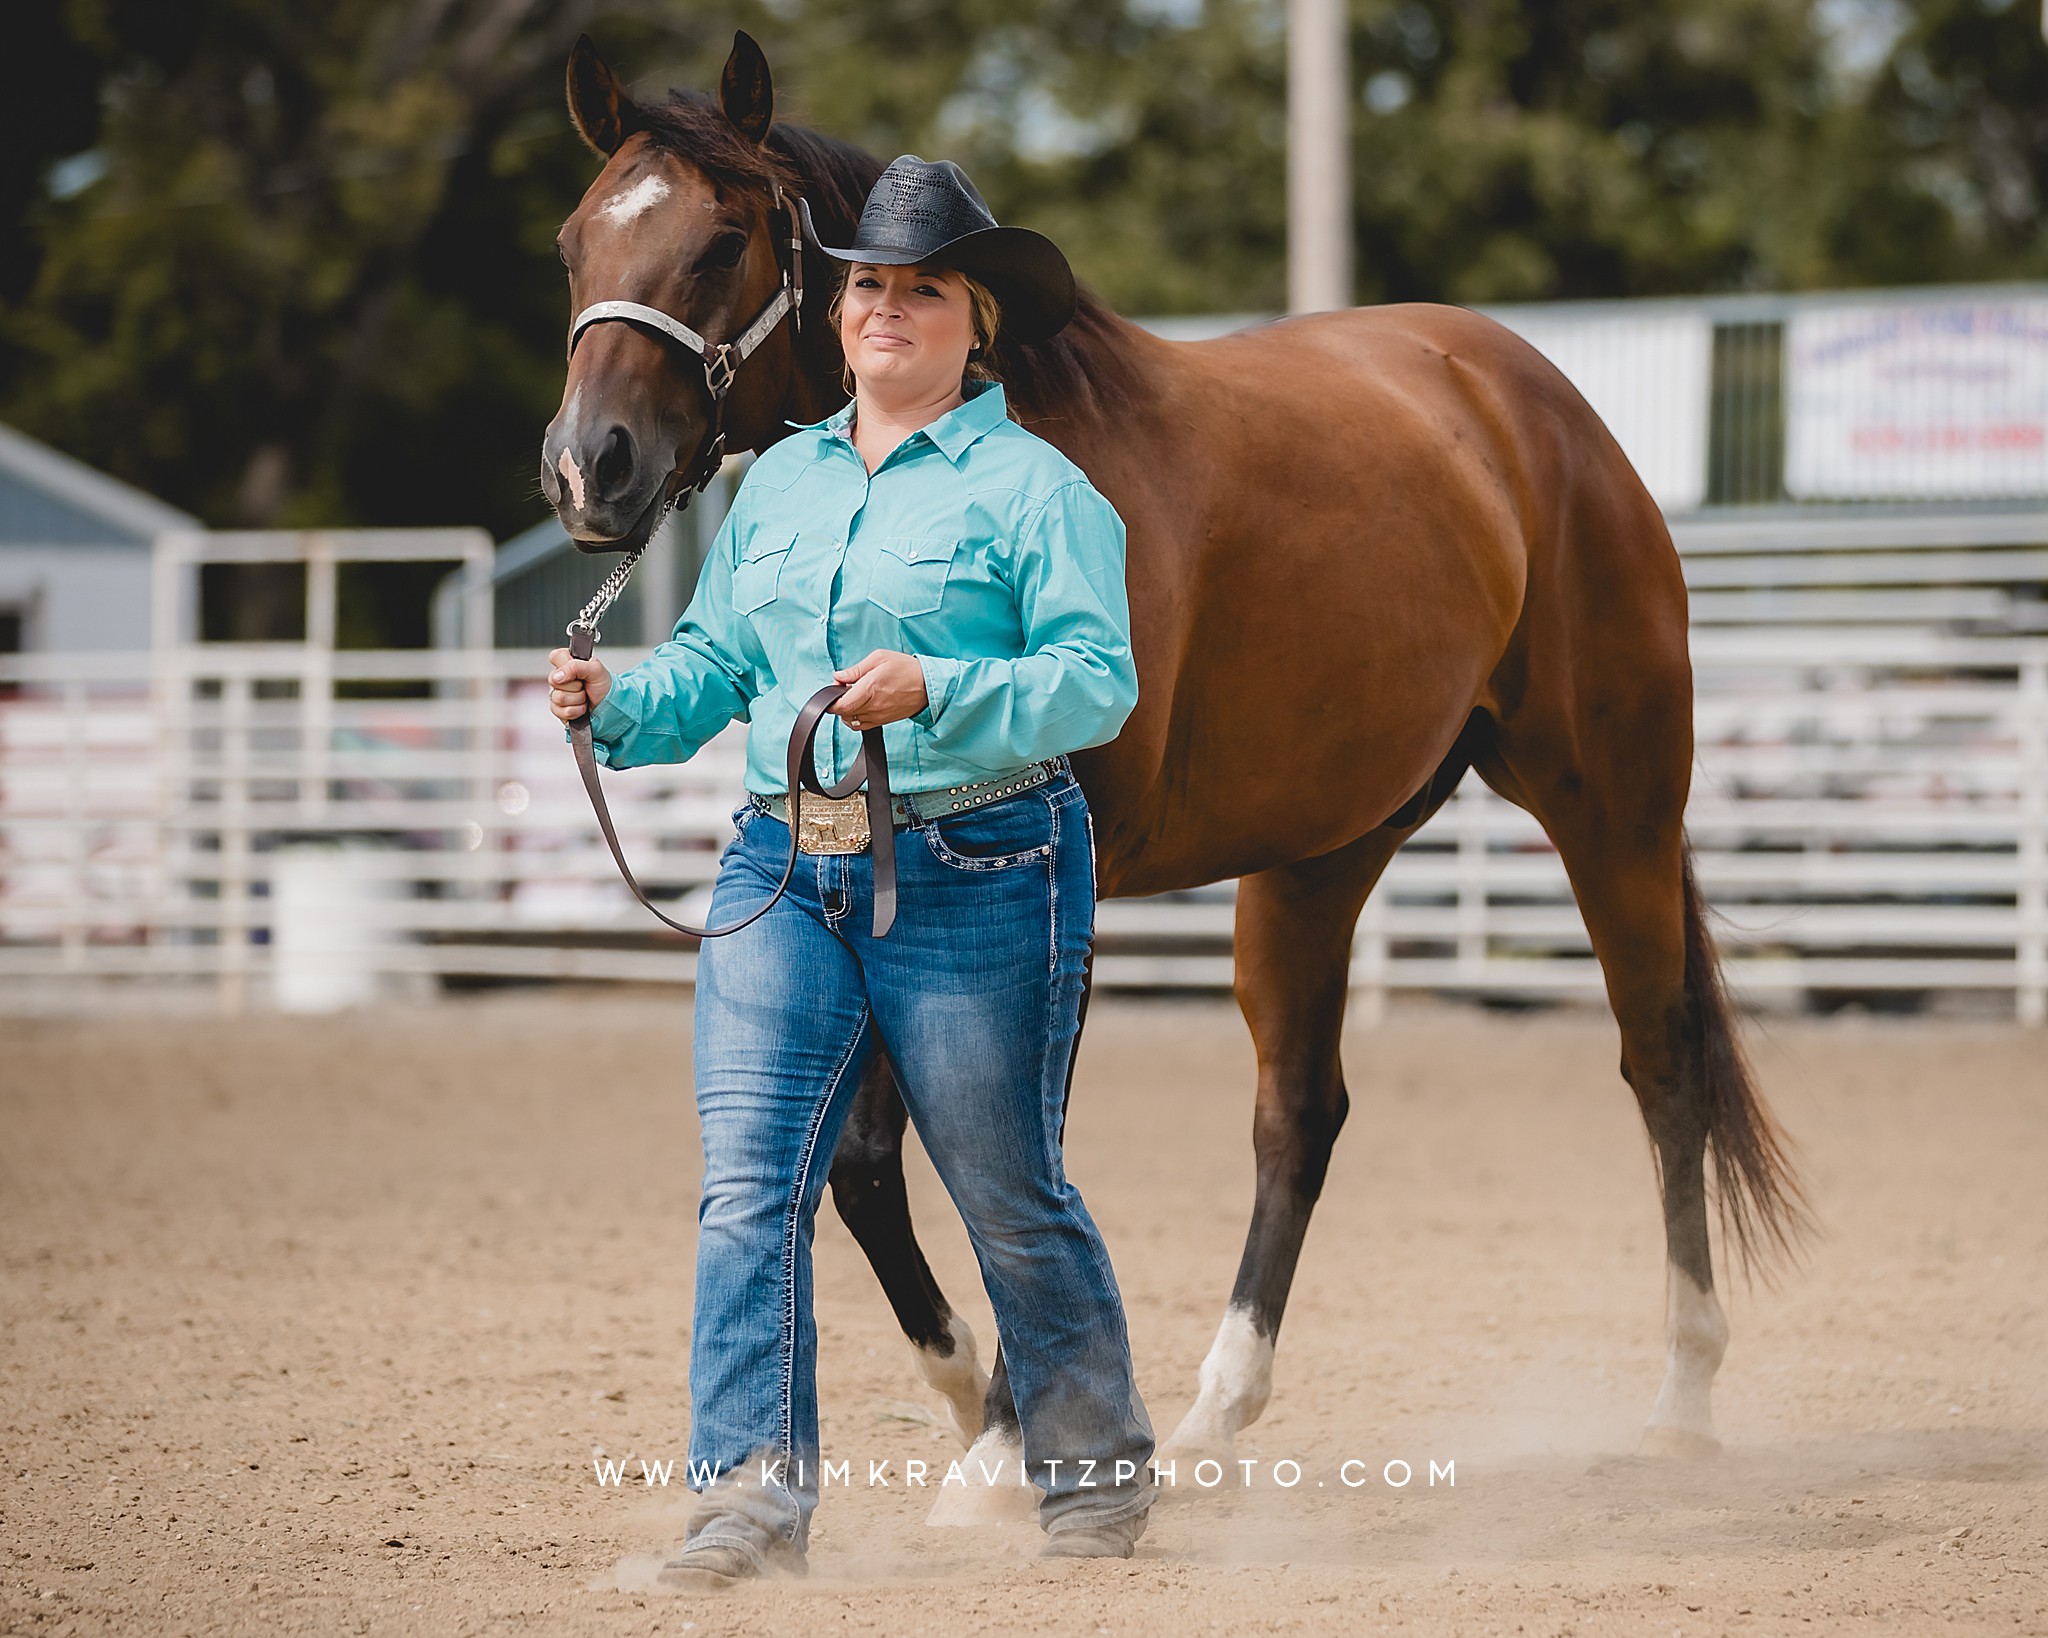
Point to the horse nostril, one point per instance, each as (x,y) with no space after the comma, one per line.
(612,474)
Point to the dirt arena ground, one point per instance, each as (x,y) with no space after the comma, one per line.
(320,1326)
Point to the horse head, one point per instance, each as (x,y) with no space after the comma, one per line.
(678,221)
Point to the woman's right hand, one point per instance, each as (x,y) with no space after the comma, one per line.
(576,686)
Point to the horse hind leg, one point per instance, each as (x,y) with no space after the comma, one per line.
(1293,950)
(868,1192)
(1717,1111)
(1661,1060)
(1681,1056)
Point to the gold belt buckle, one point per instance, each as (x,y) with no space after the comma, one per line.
(833,824)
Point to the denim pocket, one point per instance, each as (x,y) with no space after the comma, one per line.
(1006,835)
(909,576)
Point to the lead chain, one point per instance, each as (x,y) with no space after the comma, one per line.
(608,590)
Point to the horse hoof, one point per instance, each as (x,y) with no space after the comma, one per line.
(1667,1444)
(995,1492)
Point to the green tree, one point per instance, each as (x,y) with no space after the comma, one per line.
(1948,159)
(1584,148)
(310,280)
(1148,137)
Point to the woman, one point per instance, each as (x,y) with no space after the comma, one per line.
(980,578)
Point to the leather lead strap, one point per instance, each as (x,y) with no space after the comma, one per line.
(871,765)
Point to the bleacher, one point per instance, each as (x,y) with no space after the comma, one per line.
(1955,572)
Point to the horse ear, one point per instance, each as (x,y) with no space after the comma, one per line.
(746,91)
(603,113)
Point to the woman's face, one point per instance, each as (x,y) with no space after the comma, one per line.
(906,330)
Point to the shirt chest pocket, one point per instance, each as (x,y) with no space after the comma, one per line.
(909,575)
(755,576)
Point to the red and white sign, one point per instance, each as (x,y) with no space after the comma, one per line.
(1917,400)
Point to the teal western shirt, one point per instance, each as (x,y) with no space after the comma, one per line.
(975,546)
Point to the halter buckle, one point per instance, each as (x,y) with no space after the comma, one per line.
(718,370)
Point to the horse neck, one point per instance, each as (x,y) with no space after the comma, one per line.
(1096,393)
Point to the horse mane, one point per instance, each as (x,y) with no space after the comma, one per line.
(1085,369)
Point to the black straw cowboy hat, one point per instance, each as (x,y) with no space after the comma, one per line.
(931,214)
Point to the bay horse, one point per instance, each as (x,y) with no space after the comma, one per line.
(1367,551)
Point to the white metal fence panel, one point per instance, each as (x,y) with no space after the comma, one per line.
(1870,814)
(1648,376)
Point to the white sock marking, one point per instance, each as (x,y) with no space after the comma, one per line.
(1696,1336)
(962,1383)
(1237,1380)
(997,1490)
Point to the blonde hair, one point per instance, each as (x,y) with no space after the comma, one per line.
(987,321)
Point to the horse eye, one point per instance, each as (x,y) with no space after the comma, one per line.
(725,251)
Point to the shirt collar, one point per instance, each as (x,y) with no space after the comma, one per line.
(961,425)
(951,433)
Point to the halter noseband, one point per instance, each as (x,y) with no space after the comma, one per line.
(720,359)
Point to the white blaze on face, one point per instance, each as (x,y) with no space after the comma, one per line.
(643,195)
(571,475)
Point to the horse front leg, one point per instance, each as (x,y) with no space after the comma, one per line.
(1293,948)
(868,1192)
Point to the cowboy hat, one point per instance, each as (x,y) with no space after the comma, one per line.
(929,213)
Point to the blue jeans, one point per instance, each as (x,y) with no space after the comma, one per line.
(975,994)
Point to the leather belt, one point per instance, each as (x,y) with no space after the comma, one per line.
(871,765)
(844,825)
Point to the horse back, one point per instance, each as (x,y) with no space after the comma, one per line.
(1338,527)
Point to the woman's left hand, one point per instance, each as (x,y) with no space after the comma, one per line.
(886,687)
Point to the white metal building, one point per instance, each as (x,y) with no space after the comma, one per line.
(74,552)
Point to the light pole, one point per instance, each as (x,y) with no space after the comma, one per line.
(1319,156)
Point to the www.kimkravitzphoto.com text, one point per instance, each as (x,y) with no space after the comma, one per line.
(1239,1473)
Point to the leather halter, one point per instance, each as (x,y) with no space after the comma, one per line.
(721,360)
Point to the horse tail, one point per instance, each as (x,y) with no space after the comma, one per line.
(1764,1211)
